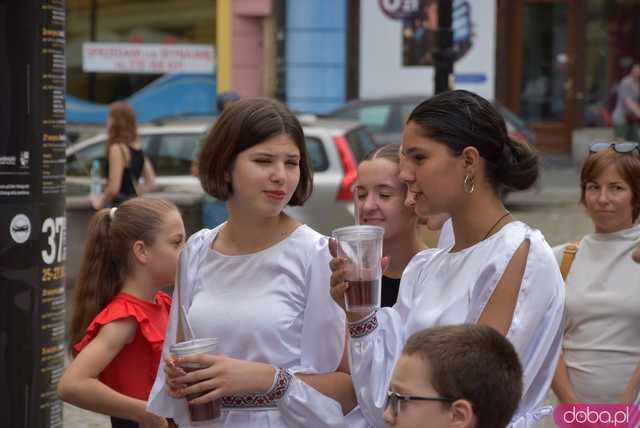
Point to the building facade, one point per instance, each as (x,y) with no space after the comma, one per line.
(552,62)
(130,21)
(557,60)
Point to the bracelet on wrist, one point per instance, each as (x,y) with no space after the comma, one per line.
(364,326)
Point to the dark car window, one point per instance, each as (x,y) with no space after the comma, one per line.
(317,154)
(405,111)
(79,164)
(375,117)
(172,154)
(360,143)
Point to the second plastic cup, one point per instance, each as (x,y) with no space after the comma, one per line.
(200,414)
(362,247)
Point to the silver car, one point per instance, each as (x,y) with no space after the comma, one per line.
(335,147)
(385,117)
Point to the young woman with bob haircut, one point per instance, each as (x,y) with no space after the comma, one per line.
(257,283)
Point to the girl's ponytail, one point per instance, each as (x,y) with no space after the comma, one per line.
(98,280)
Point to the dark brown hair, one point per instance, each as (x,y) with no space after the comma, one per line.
(628,166)
(459,119)
(390,152)
(472,362)
(123,128)
(107,257)
(242,125)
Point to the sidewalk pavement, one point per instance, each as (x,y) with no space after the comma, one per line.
(75,417)
(558,184)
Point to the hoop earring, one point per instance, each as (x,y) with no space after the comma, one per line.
(469,184)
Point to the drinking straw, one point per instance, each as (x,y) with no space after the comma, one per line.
(188,324)
(358,259)
(355,206)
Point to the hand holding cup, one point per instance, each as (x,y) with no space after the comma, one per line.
(186,357)
(338,282)
(221,376)
(171,372)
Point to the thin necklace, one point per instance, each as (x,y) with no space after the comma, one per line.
(495,224)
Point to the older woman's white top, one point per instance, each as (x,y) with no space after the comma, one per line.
(271,306)
(442,288)
(602,334)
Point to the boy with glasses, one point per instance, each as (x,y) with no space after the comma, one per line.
(459,376)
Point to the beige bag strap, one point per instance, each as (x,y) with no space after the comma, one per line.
(567,258)
(134,182)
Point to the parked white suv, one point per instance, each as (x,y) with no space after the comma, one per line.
(335,147)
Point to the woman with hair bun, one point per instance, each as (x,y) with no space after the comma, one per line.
(456,157)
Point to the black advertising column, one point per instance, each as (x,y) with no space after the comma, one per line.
(32,222)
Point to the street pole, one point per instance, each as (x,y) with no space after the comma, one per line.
(443,57)
(32,220)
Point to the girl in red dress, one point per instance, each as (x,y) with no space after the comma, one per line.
(120,315)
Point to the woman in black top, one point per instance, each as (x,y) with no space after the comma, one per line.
(126,161)
(380,198)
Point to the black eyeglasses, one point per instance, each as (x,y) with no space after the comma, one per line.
(621,147)
(394,399)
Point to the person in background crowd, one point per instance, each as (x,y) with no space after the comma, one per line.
(380,199)
(601,346)
(463,376)
(635,378)
(126,161)
(119,313)
(457,155)
(626,114)
(257,283)
(383,200)
(214,212)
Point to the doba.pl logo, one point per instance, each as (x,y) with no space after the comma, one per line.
(597,416)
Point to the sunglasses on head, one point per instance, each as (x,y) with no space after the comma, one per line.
(621,147)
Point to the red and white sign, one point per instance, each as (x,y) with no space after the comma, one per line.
(399,9)
(140,58)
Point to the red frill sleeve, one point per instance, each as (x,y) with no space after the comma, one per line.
(125,306)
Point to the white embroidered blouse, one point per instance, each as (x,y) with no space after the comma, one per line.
(442,288)
(271,306)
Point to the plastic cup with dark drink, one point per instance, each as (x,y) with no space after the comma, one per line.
(200,414)
(361,246)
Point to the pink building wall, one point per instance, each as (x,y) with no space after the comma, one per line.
(247,46)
